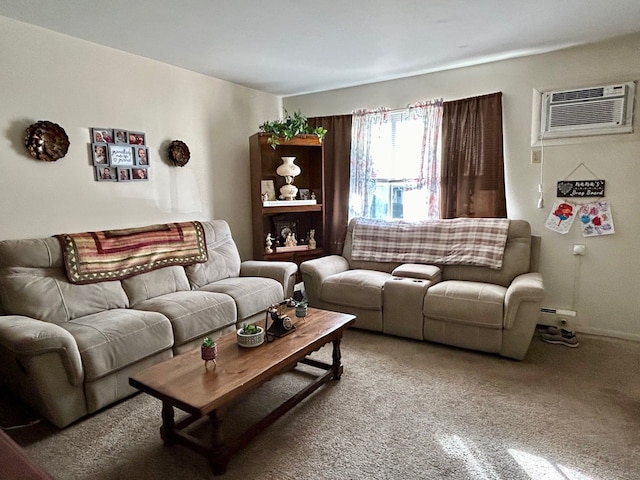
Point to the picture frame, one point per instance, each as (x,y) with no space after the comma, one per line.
(142,155)
(268,187)
(137,138)
(124,174)
(304,193)
(100,154)
(283,226)
(139,174)
(106,174)
(120,155)
(102,135)
(120,136)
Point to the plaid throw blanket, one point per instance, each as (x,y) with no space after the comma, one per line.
(92,257)
(460,241)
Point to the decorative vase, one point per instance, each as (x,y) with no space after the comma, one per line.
(289,171)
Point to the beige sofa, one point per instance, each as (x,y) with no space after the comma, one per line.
(68,350)
(465,306)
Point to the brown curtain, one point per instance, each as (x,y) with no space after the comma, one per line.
(337,153)
(472,158)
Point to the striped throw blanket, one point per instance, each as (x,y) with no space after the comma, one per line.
(460,241)
(92,257)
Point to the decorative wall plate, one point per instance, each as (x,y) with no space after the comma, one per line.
(46,141)
(179,153)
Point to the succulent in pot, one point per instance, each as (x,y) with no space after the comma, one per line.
(209,351)
(250,335)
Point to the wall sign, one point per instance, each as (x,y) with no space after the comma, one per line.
(580,188)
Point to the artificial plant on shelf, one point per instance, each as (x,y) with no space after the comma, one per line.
(289,127)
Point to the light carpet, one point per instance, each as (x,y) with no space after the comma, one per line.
(403,410)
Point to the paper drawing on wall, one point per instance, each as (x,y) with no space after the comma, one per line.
(596,219)
(561,217)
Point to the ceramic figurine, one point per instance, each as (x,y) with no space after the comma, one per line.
(267,248)
(312,239)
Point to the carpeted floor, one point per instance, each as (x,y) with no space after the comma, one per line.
(403,410)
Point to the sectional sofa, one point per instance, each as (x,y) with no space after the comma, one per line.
(470,306)
(68,349)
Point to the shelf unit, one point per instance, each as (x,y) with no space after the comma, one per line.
(309,153)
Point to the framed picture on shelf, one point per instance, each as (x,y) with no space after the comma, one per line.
(124,174)
(283,226)
(304,194)
(137,138)
(120,155)
(267,187)
(140,174)
(142,155)
(106,174)
(99,152)
(102,135)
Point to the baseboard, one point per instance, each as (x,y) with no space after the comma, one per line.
(600,332)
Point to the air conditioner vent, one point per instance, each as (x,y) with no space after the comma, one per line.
(588,111)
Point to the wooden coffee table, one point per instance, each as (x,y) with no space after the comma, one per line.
(183,382)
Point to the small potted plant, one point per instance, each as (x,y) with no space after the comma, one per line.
(250,335)
(209,351)
(301,309)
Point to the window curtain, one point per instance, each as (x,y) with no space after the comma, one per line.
(366,124)
(473,158)
(337,149)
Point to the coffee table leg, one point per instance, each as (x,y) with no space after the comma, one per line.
(168,424)
(336,365)
(219,457)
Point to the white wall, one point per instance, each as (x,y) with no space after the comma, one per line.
(79,85)
(603,286)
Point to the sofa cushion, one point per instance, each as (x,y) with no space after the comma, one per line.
(355,288)
(472,303)
(252,295)
(223,257)
(417,270)
(33,283)
(114,339)
(46,294)
(155,283)
(193,314)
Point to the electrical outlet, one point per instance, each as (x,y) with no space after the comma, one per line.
(536,156)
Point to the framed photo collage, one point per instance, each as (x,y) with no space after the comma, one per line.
(119,155)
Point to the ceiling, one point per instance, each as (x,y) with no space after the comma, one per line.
(289,47)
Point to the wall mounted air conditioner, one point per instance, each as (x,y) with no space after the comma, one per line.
(595,110)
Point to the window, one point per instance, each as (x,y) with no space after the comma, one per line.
(395,163)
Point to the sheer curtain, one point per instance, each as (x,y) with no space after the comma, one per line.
(473,158)
(374,150)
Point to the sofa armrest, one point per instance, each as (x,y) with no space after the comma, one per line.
(527,287)
(315,271)
(28,337)
(283,272)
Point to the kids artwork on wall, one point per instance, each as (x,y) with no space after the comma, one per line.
(595,218)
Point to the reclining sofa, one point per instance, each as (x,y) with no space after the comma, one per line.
(468,306)
(68,349)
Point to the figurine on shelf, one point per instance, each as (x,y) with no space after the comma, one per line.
(313,195)
(267,248)
(265,197)
(312,239)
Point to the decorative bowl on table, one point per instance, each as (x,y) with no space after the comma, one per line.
(250,336)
